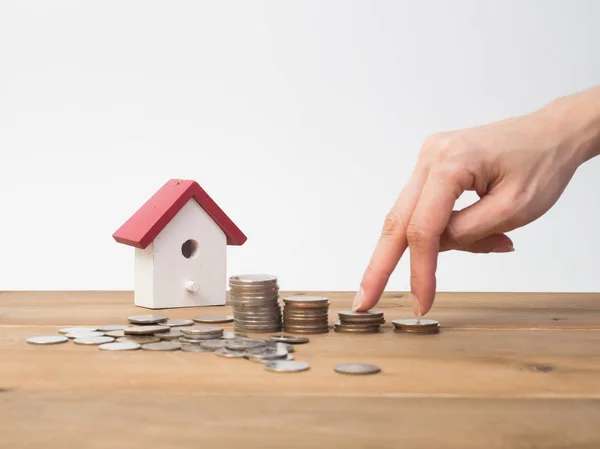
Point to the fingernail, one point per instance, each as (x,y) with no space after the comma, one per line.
(416,306)
(503,249)
(358,299)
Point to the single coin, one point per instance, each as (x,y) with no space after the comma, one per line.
(47,340)
(368,314)
(224,352)
(253,279)
(84,334)
(357,368)
(202,330)
(213,345)
(116,333)
(213,319)
(113,327)
(147,319)
(173,334)
(119,346)
(145,330)
(194,348)
(291,339)
(242,345)
(177,322)
(93,340)
(140,339)
(416,325)
(162,346)
(70,330)
(286,366)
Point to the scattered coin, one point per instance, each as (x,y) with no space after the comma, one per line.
(286,366)
(357,368)
(140,339)
(177,322)
(113,327)
(213,319)
(162,346)
(193,331)
(194,348)
(84,334)
(420,326)
(197,339)
(254,299)
(116,333)
(232,335)
(47,340)
(145,330)
(119,346)
(288,347)
(266,353)
(306,314)
(173,334)
(224,352)
(93,340)
(213,345)
(291,339)
(243,344)
(259,360)
(69,330)
(147,319)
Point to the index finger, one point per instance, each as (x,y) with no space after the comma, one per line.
(429,220)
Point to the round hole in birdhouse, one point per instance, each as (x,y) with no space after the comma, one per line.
(189,248)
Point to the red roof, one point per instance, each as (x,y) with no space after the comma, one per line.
(143,226)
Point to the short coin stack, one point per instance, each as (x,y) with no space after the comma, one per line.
(195,334)
(306,314)
(417,326)
(254,299)
(359,322)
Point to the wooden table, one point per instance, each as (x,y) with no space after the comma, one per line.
(506,371)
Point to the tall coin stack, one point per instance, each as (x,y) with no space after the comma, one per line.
(306,314)
(360,322)
(254,299)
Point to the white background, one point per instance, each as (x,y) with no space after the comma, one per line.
(301,119)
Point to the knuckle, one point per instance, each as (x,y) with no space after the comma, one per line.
(392,225)
(416,235)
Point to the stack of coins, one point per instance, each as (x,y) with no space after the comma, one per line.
(197,334)
(254,299)
(417,326)
(306,314)
(359,322)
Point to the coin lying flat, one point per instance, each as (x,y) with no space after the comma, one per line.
(194,348)
(291,339)
(173,334)
(213,345)
(47,340)
(368,314)
(224,352)
(147,319)
(267,352)
(243,344)
(259,360)
(357,368)
(177,322)
(93,340)
(213,319)
(119,346)
(254,279)
(146,330)
(69,330)
(113,327)
(286,366)
(421,326)
(116,333)
(162,346)
(84,334)
(139,339)
(277,344)
(232,335)
(202,330)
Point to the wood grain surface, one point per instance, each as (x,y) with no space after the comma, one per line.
(507,370)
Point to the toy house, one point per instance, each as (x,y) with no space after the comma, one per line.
(180,236)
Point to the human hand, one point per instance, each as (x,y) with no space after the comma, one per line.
(518,167)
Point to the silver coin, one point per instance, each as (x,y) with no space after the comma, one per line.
(162,346)
(261,360)
(140,339)
(231,335)
(199,338)
(366,315)
(288,347)
(93,340)
(84,334)
(119,346)
(252,279)
(173,334)
(267,352)
(224,352)
(113,327)
(194,348)
(145,330)
(213,345)
(147,319)
(286,366)
(291,339)
(115,333)
(357,368)
(213,319)
(202,330)
(242,345)
(47,340)
(307,299)
(194,341)
(177,322)
(69,330)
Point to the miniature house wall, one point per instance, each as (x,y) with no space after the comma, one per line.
(185,265)
(180,236)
